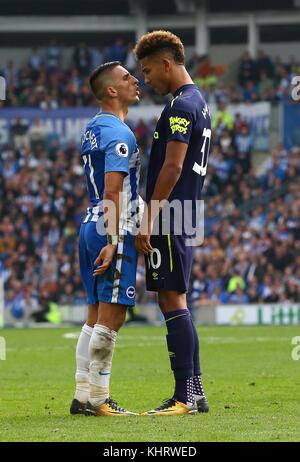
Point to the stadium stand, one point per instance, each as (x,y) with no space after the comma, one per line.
(251,252)
(46,81)
(252,246)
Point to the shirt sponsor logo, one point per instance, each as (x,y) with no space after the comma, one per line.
(122,149)
(179,125)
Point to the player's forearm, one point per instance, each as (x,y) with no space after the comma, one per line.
(166,181)
(112,209)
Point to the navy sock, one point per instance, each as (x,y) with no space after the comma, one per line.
(180,341)
(197,370)
(198,387)
(184,390)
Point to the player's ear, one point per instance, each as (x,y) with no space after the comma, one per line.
(111,92)
(167,64)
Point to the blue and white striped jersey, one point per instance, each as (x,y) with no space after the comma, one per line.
(108,145)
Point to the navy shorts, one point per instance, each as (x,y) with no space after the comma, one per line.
(117,284)
(170,263)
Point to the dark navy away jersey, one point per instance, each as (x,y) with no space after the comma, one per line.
(187,119)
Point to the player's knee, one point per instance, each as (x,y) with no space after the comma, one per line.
(171,300)
(91,319)
(92,315)
(165,301)
(119,320)
(113,320)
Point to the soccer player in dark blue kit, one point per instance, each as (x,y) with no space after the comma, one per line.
(177,168)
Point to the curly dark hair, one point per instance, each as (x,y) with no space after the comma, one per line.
(160,41)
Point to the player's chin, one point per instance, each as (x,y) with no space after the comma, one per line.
(133,100)
(165,91)
(161,91)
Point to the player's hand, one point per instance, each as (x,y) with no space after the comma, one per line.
(142,240)
(142,243)
(104,259)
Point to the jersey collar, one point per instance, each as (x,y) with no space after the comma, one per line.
(109,114)
(182,88)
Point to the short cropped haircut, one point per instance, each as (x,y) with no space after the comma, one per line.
(98,78)
(160,41)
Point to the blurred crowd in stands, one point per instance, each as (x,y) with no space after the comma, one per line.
(260,79)
(251,251)
(48,80)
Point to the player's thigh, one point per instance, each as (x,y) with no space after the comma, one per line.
(168,267)
(118,284)
(94,241)
(90,244)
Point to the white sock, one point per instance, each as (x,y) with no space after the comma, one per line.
(82,364)
(101,350)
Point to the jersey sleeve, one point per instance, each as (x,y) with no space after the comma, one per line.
(90,140)
(179,121)
(118,151)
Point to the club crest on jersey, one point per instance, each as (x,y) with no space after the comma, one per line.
(122,149)
(130,292)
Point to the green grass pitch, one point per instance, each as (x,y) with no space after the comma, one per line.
(251,381)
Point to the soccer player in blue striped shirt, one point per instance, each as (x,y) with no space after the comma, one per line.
(107,254)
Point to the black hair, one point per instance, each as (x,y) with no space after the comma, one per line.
(96,80)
